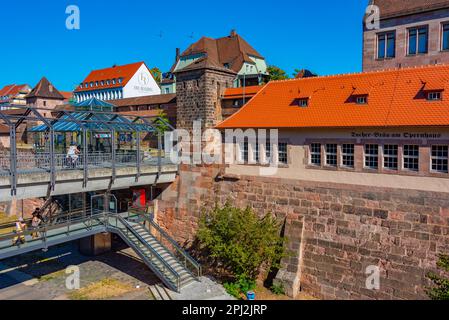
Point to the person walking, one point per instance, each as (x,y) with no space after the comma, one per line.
(20,228)
(35,223)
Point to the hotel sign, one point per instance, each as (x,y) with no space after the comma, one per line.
(403,135)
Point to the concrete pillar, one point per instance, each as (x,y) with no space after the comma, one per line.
(96,245)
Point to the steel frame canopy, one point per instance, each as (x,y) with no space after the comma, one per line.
(81,121)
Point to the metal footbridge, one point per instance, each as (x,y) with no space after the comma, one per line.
(80,151)
(175,267)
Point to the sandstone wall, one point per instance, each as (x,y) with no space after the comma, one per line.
(334,230)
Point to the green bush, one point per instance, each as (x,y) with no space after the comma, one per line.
(278,289)
(241,286)
(240,241)
(440,291)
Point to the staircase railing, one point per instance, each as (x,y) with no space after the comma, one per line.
(176,285)
(169,243)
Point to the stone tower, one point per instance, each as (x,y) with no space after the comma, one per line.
(206,69)
(199,94)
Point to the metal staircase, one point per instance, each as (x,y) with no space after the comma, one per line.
(156,256)
(160,253)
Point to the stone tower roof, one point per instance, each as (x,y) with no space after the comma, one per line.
(228,53)
(44,89)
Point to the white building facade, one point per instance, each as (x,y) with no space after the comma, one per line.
(118,82)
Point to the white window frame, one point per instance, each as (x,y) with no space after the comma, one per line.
(384,156)
(312,153)
(404,157)
(327,154)
(345,154)
(365,155)
(438,158)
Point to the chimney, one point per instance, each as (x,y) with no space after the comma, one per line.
(178,54)
(233,33)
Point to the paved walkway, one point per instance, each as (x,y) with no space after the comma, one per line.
(207,289)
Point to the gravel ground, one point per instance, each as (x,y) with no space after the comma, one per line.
(40,275)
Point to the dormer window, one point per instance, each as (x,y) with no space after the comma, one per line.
(303,102)
(434,96)
(96,83)
(102,83)
(113,81)
(361,99)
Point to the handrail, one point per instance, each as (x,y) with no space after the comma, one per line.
(48,227)
(28,221)
(184,253)
(154,252)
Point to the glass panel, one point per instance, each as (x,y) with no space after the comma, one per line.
(372,156)
(412,41)
(348,155)
(331,155)
(411,157)
(440,158)
(391,157)
(422,40)
(283,153)
(445,44)
(381,46)
(391,46)
(315,154)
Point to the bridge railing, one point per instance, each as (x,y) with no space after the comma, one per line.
(27,162)
(140,214)
(62,224)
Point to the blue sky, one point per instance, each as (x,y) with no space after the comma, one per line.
(323,36)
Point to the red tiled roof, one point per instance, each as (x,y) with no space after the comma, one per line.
(66,95)
(12,89)
(396,98)
(236,93)
(395,8)
(125,72)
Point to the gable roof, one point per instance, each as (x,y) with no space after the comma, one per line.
(395,8)
(12,89)
(395,98)
(126,72)
(44,89)
(227,53)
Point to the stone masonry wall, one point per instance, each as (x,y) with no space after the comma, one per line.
(334,230)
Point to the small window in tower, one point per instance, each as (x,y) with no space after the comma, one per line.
(361,99)
(434,96)
(303,102)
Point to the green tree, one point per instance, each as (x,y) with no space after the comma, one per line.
(162,122)
(440,291)
(240,241)
(276,73)
(157,74)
